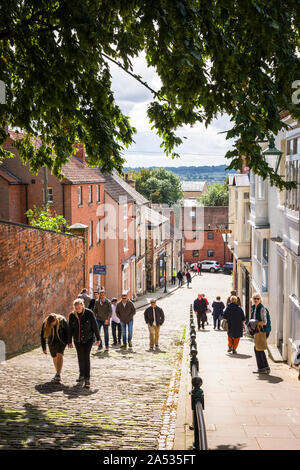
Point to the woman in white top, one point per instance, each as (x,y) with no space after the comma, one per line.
(115,323)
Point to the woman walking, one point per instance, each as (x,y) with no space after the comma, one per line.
(82,327)
(236,322)
(188,279)
(217,313)
(55,333)
(259,313)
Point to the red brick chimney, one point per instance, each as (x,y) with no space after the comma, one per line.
(80,152)
(130,180)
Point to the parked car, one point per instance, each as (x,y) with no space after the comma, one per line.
(227,268)
(210,265)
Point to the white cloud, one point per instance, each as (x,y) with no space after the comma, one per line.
(203,146)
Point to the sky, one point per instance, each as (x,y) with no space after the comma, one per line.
(203,146)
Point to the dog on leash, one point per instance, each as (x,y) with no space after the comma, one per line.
(297,359)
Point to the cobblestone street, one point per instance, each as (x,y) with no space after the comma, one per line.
(132,400)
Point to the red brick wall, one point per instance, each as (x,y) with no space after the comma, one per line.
(73,213)
(207,219)
(4,199)
(203,244)
(41,272)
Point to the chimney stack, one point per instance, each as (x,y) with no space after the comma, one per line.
(130,180)
(79,152)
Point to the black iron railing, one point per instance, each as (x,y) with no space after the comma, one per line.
(197,395)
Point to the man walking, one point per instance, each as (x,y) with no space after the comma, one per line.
(125,310)
(188,279)
(200,307)
(154,317)
(180,278)
(103,312)
(93,301)
(174,275)
(86,298)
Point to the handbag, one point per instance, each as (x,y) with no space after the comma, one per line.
(260,341)
(224,324)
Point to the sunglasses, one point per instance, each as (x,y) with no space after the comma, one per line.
(256,298)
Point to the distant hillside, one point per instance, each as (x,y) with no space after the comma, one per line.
(194,173)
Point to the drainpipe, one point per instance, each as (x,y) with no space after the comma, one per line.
(63,200)
(45,187)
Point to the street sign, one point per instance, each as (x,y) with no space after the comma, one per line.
(220,230)
(99,269)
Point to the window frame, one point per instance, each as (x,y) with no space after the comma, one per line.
(79,196)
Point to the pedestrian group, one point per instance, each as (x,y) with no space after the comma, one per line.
(89,316)
(232,318)
(83,328)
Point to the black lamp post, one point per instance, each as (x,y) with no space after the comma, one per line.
(165,260)
(272,151)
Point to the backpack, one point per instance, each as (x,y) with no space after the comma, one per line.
(268,325)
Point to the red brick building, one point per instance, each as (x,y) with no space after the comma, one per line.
(120,237)
(41,272)
(202,241)
(79,197)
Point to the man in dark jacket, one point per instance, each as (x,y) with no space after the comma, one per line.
(93,301)
(200,307)
(154,317)
(236,321)
(125,310)
(103,312)
(217,313)
(180,278)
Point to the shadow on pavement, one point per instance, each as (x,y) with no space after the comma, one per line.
(32,428)
(239,356)
(72,392)
(270,378)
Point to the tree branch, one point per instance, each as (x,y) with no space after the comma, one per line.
(136,77)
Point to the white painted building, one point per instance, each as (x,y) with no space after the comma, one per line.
(239,240)
(274,217)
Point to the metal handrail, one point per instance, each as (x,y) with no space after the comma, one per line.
(201,426)
(197,394)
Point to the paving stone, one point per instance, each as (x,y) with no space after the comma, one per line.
(124,407)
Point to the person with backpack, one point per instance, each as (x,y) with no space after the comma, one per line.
(261,314)
(217,313)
